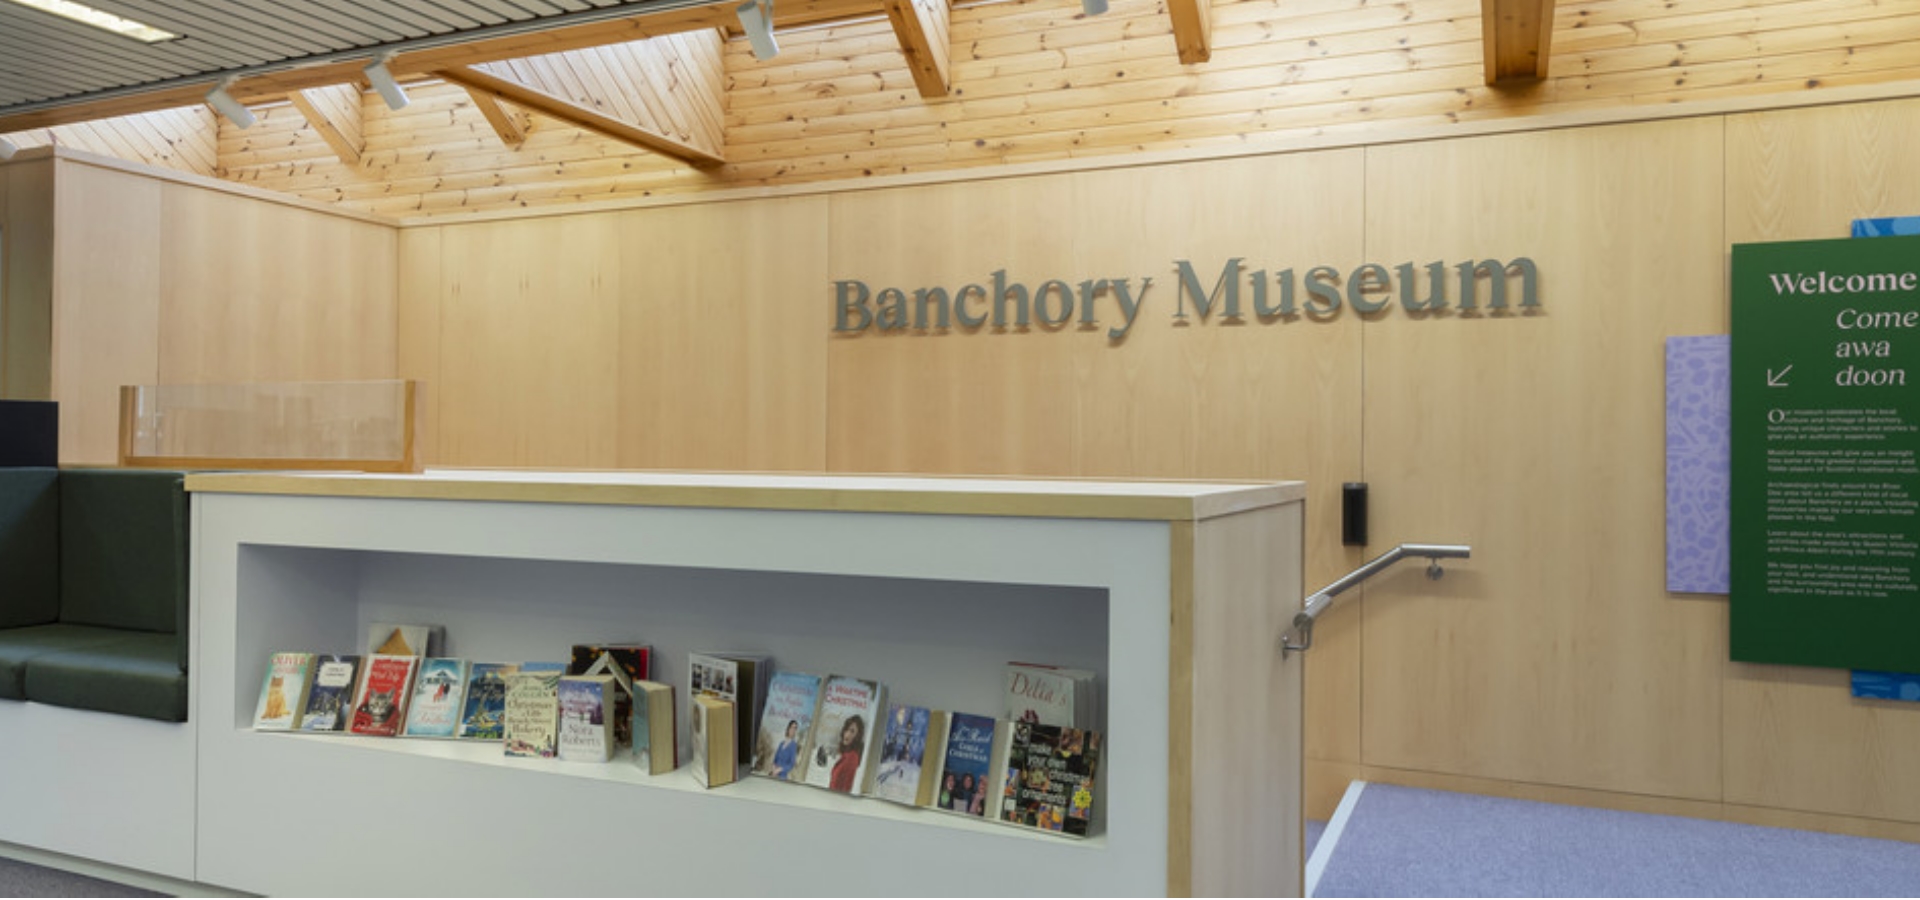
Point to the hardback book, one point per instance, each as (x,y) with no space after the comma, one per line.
(1051,695)
(532,713)
(483,711)
(841,748)
(904,771)
(334,679)
(586,717)
(786,723)
(968,765)
(437,692)
(656,735)
(380,706)
(628,663)
(739,677)
(714,762)
(393,639)
(283,695)
(1050,778)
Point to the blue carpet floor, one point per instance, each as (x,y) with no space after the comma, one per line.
(1403,842)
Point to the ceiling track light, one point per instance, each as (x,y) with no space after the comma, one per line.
(756,19)
(223,102)
(383,81)
(1093,7)
(7,149)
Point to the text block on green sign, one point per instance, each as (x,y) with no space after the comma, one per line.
(1826,425)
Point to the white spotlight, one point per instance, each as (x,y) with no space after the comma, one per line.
(1093,7)
(382,80)
(7,149)
(223,102)
(756,19)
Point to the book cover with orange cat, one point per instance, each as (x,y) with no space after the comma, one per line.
(284,692)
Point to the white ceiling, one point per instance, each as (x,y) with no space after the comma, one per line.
(47,61)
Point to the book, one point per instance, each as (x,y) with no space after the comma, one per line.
(380,704)
(713,742)
(1051,695)
(631,663)
(482,715)
(393,639)
(586,717)
(283,695)
(1050,778)
(786,723)
(531,715)
(334,680)
(843,734)
(438,689)
(903,773)
(656,735)
(968,764)
(739,677)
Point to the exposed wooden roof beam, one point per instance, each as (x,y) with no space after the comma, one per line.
(1516,35)
(922,27)
(505,122)
(277,84)
(1193,29)
(334,112)
(577,115)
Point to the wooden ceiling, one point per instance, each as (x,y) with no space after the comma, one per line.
(54,72)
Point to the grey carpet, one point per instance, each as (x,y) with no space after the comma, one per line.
(1403,842)
(19,879)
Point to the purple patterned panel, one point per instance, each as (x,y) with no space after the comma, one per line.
(1699,430)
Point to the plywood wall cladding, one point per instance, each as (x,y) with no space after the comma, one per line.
(180,139)
(1802,175)
(672,338)
(1557,657)
(1039,81)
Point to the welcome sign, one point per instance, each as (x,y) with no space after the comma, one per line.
(1003,302)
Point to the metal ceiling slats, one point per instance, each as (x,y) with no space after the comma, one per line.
(45,59)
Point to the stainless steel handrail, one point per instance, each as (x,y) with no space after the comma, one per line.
(1320,600)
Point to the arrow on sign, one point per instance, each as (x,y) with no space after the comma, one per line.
(1774,378)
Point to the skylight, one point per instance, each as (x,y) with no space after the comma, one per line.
(87,15)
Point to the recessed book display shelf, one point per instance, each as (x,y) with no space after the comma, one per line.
(1175,593)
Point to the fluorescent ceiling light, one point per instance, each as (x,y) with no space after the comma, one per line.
(87,15)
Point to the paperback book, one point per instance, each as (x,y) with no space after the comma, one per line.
(532,714)
(785,725)
(1050,778)
(903,774)
(586,717)
(739,677)
(656,735)
(380,706)
(434,711)
(334,678)
(713,743)
(283,695)
(393,639)
(843,734)
(967,765)
(483,713)
(630,663)
(1050,695)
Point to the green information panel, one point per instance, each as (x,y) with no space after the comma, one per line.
(1826,399)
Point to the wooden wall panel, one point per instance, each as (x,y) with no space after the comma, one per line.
(106,303)
(1204,400)
(26,285)
(256,291)
(723,349)
(1796,738)
(529,344)
(1556,656)
(417,329)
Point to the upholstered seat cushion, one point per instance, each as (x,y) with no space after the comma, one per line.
(19,646)
(133,674)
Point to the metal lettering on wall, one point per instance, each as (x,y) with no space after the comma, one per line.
(1001,302)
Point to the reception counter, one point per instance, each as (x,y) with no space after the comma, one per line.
(1175,593)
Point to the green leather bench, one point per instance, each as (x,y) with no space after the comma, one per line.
(93,590)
